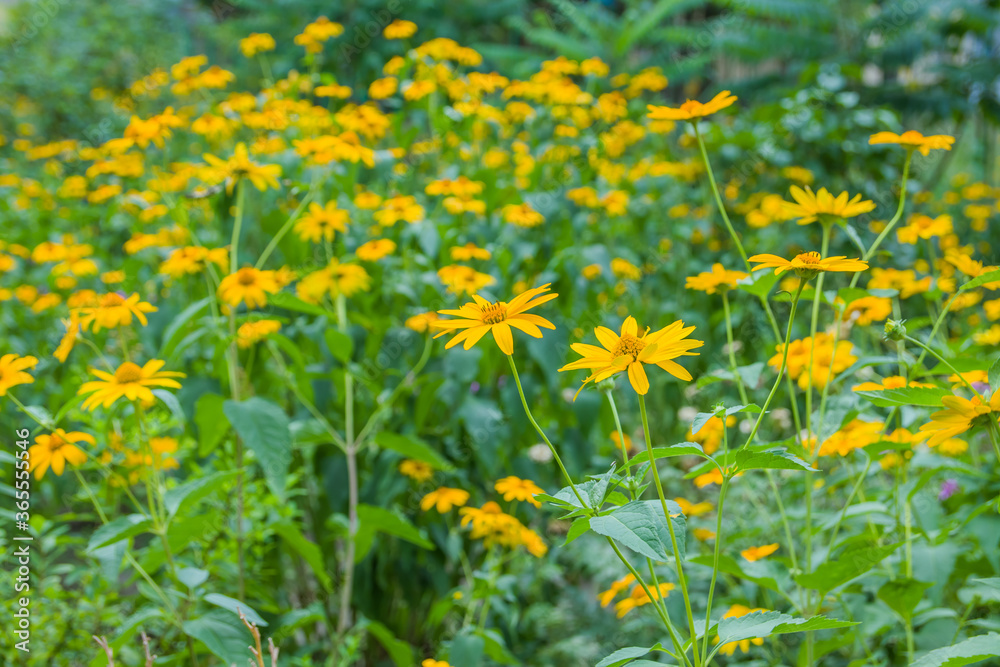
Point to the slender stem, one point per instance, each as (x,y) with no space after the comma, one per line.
(895,218)
(232,356)
(350,450)
(621,440)
(847,505)
(276,239)
(732,353)
(718,197)
(925,348)
(682,580)
(813,326)
(784,518)
(715,563)
(313,410)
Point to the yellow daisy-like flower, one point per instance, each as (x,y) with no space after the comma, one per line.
(418,471)
(482,317)
(256,42)
(399,29)
(56,450)
(114,310)
(444,499)
(960,415)
(811,206)
(253,332)
(322,222)
(628,351)
(130,381)
(421,322)
(248,285)
(911,139)
(239,165)
(756,553)
(374,250)
(522,215)
(719,279)
(334,279)
(69,338)
(12,367)
(691,109)
(608,596)
(808,264)
(515,488)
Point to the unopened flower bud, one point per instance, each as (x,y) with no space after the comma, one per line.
(894,330)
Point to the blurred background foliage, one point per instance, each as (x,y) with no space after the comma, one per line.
(932,62)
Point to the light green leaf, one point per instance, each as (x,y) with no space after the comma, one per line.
(775,459)
(974,649)
(264,428)
(223,633)
(989,277)
(211,422)
(580,527)
(121,528)
(850,563)
(766,623)
(341,345)
(994,375)
(309,551)
(291,302)
(193,491)
(412,448)
(626,655)
(759,284)
(902,595)
(235,606)
(640,526)
(906,396)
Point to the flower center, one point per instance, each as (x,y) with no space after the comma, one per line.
(810,260)
(127,373)
(495,313)
(111,300)
(247,277)
(629,345)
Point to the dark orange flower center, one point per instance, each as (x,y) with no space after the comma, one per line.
(127,373)
(246,277)
(629,345)
(111,300)
(495,313)
(811,260)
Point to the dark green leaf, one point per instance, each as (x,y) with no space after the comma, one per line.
(264,428)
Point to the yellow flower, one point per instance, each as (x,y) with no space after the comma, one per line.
(482,317)
(960,415)
(399,29)
(709,478)
(824,356)
(692,509)
(379,89)
(248,285)
(515,488)
(890,382)
(868,309)
(822,205)
(333,280)
(239,165)
(703,534)
(638,598)
(322,222)
(616,440)
(256,42)
(399,208)
(464,279)
(193,259)
(444,499)
(736,611)
(431,662)
(420,323)
(717,280)
(756,553)
(924,227)
(952,447)
(253,332)
(628,351)
(418,471)
(691,109)
(56,450)
(12,371)
(113,310)
(623,268)
(69,338)
(130,381)
(808,264)
(374,250)
(911,139)
(522,215)
(606,597)
(469,251)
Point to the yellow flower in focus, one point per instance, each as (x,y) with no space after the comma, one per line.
(691,109)
(719,279)
(254,332)
(482,317)
(248,285)
(515,488)
(756,553)
(960,415)
(114,310)
(808,264)
(811,206)
(628,351)
(56,450)
(911,139)
(444,499)
(130,381)
(418,471)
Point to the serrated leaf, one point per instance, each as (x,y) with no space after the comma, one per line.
(974,649)
(889,398)
(641,526)
(766,623)
(626,655)
(902,595)
(776,459)
(263,426)
(850,563)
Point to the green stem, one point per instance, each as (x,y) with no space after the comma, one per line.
(715,564)
(813,327)
(895,218)
(621,439)
(732,353)
(925,348)
(351,452)
(681,579)
(234,386)
(276,239)
(718,197)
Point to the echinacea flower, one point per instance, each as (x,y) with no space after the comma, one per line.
(811,206)
(12,367)
(56,450)
(130,381)
(960,415)
(628,351)
(911,139)
(444,499)
(691,109)
(808,264)
(515,488)
(482,317)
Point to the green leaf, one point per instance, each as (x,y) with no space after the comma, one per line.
(730,566)
(173,334)
(640,526)
(264,428)
(208,417)
(994,375)
(192,577)
(223,633)
(134,623)
(235,606)
(889,398)
(399,651)
(412,448)
(291,302)
(580,527)
(902,595)
(766,623)
(378,519)
(759,284)
(850,563)
(340,344)
(989,277)
(121,528)
(626,655)
(775,459)
(193,491)
(974,649)
(309,552)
